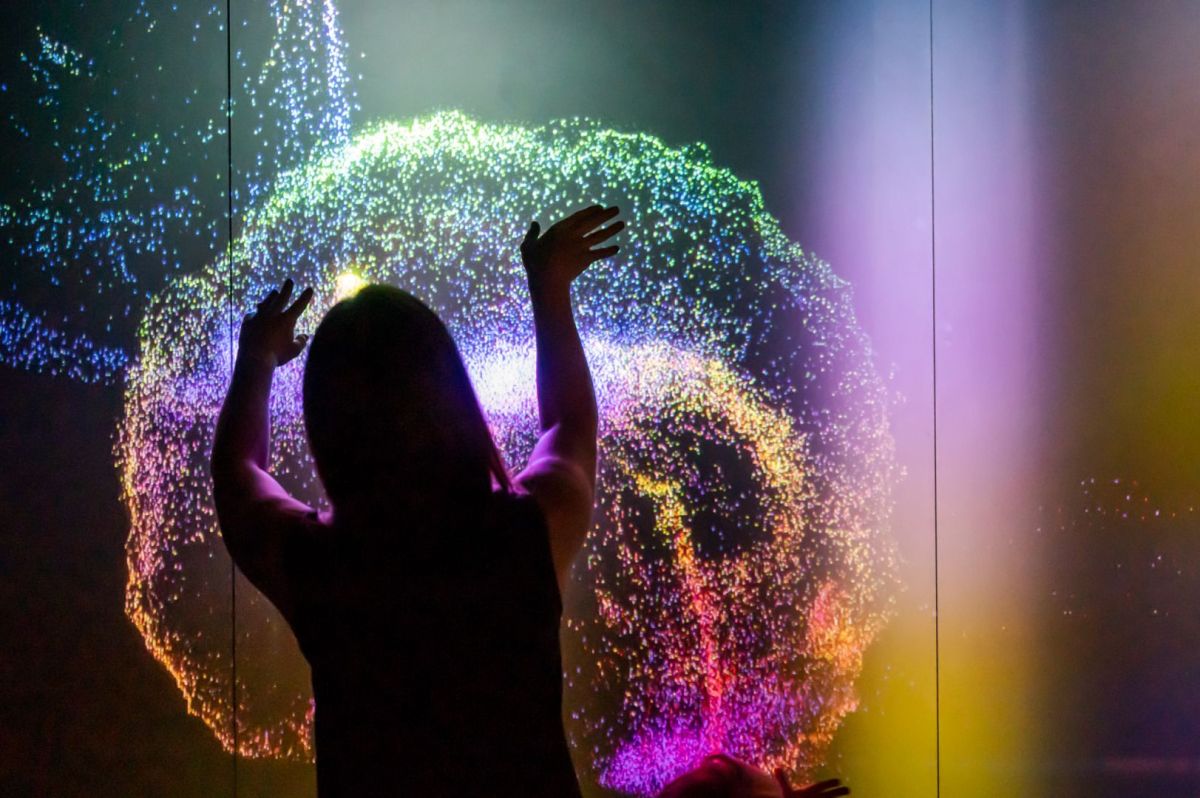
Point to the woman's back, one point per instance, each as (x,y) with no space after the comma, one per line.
(433,646)
(436,666)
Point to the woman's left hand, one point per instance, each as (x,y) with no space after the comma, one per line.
(269,334)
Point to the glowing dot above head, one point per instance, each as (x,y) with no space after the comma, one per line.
(347,285)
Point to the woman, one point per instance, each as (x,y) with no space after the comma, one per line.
(428,601)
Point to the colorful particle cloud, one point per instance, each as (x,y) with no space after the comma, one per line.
(740,562)
(104,202)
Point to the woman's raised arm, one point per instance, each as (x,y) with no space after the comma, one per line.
(258,518)
(561,473)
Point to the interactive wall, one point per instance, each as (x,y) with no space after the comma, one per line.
(894,369)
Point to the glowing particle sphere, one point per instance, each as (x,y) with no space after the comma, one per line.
(740,561)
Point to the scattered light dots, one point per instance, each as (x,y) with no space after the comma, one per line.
(110,224)
(1149,540)
(741,560)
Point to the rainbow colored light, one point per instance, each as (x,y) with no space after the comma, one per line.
(740,562)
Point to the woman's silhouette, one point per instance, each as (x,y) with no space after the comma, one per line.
(428,601)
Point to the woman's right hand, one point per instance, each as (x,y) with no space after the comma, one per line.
(554,258)
(831,788)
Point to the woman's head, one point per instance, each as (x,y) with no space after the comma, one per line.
(389,409)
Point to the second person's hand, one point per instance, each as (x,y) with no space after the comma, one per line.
(830,788)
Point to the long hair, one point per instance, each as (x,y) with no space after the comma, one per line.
(389,409)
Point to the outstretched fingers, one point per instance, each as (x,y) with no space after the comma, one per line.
(280,296)
(299,305)
(603,234)
(581,216)
(532,234)
(830,788)
(594,218)
(599,254)
(276,298)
